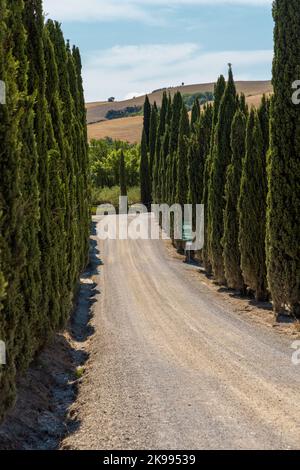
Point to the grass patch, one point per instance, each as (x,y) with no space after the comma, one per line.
(79,372)
(111,196)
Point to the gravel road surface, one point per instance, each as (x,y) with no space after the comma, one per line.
(173,367)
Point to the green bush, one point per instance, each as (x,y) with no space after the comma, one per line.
(190,98)
(111,196)
(105,162)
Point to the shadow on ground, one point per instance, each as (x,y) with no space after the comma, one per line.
(248,298)
(39,419)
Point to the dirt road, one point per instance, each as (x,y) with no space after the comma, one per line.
(173,367)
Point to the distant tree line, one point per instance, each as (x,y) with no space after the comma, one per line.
(190,98)
(125,112)
(44,196)
(244,166)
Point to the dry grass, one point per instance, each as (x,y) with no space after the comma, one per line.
(127,129)
(130,129)
(97,111)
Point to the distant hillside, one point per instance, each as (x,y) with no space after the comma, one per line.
(129,128)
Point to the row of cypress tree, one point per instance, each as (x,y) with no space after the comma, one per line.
(244,166)
(44,198)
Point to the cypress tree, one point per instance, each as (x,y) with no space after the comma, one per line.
(169,110)
(70,142)
(84,172)
(122,171)
(195,114)
(57,177)
(283,216)
(264,119)
(13,258)
(221,157)
(174,133)
(198,153)
(56,250)
(230,242)
(182,188)
(163,168)
(68,146)
(175,122)
(144,174)
(147,119)
(35,177)
(156,187)
(79,157)
(31,286)
(168,175)
(218,94)
(34,24)
(195,167)
(252,210)
(242,104)
(162,120)
(152,140)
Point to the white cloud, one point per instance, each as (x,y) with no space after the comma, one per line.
(110,10)
(118,70)
(93,10)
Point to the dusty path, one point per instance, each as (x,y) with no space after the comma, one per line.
(175,368)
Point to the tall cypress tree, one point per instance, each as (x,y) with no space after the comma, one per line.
(174,133)
(84,158)
(152,140)
(195,168)
(218,94)
(182,188)
(34,185)
(13,249)
(230,242)
(82,177)
(175,122)
(144,174)
(221,157)
(169,110)
(122,171)
(242,104)
(147,119)
(163,167)
(60,203)
(70,141)
(33,316)
(198,153)
(195,114)
(252,210)
(79,157)
(156,187)
(168,167)
(34,23)
(264,119)
(283,218)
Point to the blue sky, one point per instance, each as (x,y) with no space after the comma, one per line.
(130,47)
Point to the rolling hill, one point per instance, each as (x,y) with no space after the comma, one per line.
(129,128)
